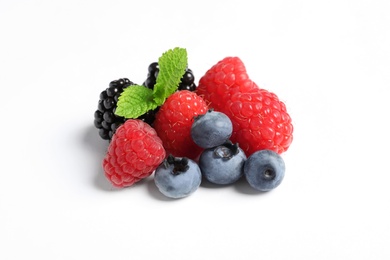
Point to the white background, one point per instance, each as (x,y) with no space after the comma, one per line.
(329,61)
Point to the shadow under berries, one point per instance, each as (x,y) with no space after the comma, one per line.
(97,147)
(242,186)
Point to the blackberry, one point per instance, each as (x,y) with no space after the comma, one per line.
(187,81)
(153,70)
(105,119)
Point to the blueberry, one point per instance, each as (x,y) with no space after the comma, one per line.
(222,164)
(177,177)
(211,129)
(264,170)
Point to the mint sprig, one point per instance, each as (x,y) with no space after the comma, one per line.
(172,65)
(136,100)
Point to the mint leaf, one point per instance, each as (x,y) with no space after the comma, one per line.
(135,101)
(172,66)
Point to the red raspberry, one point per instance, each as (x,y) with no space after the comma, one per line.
(135,151)
(174,120)
(260,120)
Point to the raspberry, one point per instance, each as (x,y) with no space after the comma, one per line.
(260,120)
(135,151)
(174,120)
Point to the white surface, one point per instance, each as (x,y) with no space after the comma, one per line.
(329,61)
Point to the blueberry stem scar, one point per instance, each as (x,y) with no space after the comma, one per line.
(269,174)
(180,165)
(227,150)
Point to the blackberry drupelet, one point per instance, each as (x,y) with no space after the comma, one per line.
(105,119)
(187,81)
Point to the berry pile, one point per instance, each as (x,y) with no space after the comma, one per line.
(221,162)
(220,131)
(106,120)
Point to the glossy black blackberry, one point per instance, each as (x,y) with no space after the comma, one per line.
(187,81)
(104,118)
(153,70)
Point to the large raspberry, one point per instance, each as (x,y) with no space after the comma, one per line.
(174,120)
(260,120)
(134,153)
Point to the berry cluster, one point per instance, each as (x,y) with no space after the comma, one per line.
(225,129)
(221,162)
(106,120)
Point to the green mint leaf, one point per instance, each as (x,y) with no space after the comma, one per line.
(172,66)
(135,101)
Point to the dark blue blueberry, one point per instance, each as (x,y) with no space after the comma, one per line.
(222,164)
(264,170)
(211,129)
(177,177)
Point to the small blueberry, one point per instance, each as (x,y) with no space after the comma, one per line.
(222,164)
(211,129)
(177,177)
(264,170)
